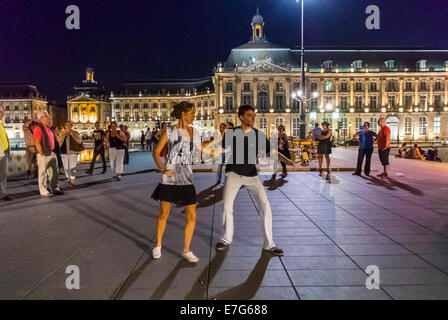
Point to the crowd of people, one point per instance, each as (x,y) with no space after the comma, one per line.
(175,149)
(53,151)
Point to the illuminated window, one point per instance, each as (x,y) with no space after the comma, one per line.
(423,125)
(296,127)
(263,124)
(408,126)
(358,124)
(229,103)
(343,103)
(408,101)
(278,122)
(328,86)
(374,124)
(437,125)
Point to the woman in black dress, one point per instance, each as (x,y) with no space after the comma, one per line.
(324,147)
(177,187)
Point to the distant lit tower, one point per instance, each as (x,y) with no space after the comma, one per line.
(257,27)
(90,76)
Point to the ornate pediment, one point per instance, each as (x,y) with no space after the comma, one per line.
(82,98)
(264,66)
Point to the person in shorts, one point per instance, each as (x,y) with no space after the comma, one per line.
(383,141)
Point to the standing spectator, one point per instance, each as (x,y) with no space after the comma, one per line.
(283,148)
(128,139)
(99,138)
(71,144)
(154,140)
(383,141)
(230,125)
(142,140)
(4,155)
(57,149)
(324,148)
(117,145)
(31,151)
(46,158)
(366,138)
(148,138)
(222,129)
(316,132)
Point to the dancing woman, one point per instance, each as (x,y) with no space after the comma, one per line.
(184,146)
(324,148)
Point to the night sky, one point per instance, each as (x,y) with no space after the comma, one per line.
(126,40)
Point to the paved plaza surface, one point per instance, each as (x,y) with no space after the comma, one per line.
(330,233)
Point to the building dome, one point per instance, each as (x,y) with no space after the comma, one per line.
(257,19)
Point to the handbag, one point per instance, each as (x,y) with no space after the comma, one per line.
(74,146)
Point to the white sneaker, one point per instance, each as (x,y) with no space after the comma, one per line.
(190,257)
(157,252)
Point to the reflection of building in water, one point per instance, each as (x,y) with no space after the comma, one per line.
(20,102)
(85,156)
(408,87)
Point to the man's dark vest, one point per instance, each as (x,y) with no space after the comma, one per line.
(45,142)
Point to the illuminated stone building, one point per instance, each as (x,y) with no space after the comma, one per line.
(20,102)
(407,87)
(89,104)
(142,105)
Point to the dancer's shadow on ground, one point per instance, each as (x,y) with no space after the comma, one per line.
(405,186)
(378,182)
(274,184)
(210,196)
(391,184)
(249,288)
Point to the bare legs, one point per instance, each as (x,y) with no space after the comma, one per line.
(163,216)
(189,227)
(327,161)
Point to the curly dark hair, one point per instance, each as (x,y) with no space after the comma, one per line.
(326,124)
(181,107)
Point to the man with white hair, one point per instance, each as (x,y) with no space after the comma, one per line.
(4,154)
(46,158)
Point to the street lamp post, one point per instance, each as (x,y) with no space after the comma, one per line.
(302,78)
(301,98)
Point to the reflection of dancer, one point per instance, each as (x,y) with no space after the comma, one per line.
(177,185)
(324,148)
(244,173)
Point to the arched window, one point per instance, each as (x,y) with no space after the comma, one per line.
(408,126)
(437,125)
(374,124)
(296,127)
(278,122)
(423,125)
(263,124)
(358,124)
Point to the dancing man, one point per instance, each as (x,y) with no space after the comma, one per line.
(244,144)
